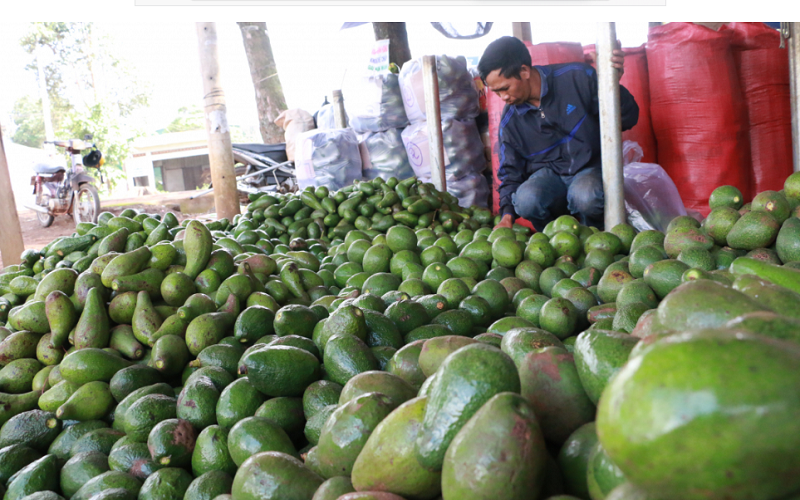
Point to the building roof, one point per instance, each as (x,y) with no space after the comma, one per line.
(170,141)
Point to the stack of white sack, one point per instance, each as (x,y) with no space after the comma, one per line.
(383,154)
(328,158)
(464,160)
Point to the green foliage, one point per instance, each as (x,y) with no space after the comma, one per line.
(98,98)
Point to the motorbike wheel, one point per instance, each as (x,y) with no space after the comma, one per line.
(45,220)
(86,206)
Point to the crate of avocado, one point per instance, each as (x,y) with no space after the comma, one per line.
(381,342)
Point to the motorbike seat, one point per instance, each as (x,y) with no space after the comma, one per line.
(48,168)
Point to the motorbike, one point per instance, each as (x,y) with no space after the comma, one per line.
(62,191)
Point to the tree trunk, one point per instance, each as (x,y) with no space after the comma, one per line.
(399,52)
(267,84)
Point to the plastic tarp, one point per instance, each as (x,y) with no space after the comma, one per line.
(383,154)
(763,69)
(458,97)
(651,198)
(375,104)
(698,112)
(541,54)
(327,158)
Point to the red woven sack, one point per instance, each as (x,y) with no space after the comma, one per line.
(763,69)
(541,54)
(697,111)
(637,81)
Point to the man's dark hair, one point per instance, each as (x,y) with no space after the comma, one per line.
(508,54)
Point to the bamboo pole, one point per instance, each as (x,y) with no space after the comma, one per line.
(11,244)
(220,153)
(794,82)
(610,127)
(522,31)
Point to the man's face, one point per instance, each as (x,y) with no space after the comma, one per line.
(510,90)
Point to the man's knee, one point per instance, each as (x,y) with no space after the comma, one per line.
(585,195)
(534,198)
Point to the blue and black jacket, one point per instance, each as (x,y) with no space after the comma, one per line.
(562,134)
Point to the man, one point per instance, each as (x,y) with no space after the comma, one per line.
(549,135)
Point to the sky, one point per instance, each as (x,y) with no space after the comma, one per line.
(313,58)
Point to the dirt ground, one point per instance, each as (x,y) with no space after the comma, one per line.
(35,236)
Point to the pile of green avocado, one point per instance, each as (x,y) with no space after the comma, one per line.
(383,343)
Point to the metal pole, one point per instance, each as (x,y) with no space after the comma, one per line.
(522,31)
(11,243)
(49,135)
(339,116)
(220,152)
(794,81)
(433,113)
(610,126)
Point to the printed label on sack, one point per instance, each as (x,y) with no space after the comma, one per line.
(379,58)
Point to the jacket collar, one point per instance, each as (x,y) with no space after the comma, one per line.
(523,108)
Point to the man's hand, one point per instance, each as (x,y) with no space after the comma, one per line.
(617,59)
(506,221)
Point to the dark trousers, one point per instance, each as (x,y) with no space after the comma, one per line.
(547,195)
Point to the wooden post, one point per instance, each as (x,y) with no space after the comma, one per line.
(220,153)
(433,114)
(610,127)
(522,31)
(11,244)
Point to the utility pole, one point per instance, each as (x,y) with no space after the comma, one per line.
(220,152)
(11,244)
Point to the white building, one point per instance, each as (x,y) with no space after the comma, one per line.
(177,161)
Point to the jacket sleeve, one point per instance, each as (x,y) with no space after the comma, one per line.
(629,110)
(511,175)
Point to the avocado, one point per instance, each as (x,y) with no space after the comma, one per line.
(314,424)
(105,481)
(755,229)
(168,483)
(40,475)
(333,488)
(81,468)
(274,476)
(287,413)
(573,459)
(405,364)
(280,370)
(320,394)
(15,457)
(346,431)
(197,402)
(101,440)
(391,385)
(130,399)
(485,369)
(254,435)
(91,401)
(599,355)
(754,463)
(34,428)
(62,445)
(550,382)
(132,378)
(211,452)
(134,459)
(238,400)
(602,475)
(171,442)
(504,432)
(704,304)
(91,364)
(663,276)
(209,486)
(147,411)
(387,461)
